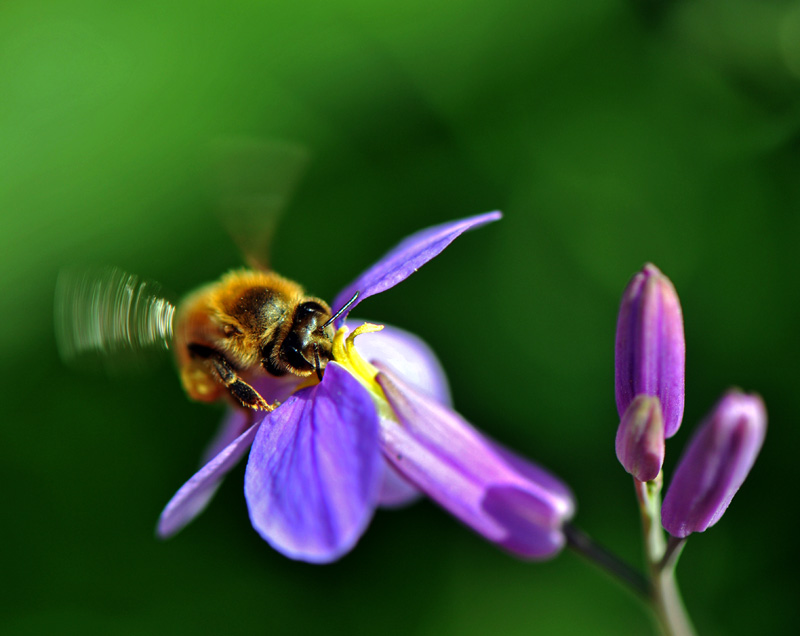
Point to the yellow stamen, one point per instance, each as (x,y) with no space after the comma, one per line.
(345,353)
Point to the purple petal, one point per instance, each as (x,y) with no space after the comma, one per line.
(410,358)
(314,471)
(406,355)
(715,464)
(640,438)
(507,499)
(650,349)
(236,420)
(396,491)
(195,494)
(408,257)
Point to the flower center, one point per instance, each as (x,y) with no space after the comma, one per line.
(345,353)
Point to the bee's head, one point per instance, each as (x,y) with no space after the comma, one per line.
(307,345)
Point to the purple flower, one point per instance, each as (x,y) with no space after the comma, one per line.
(640,438)
(650,349)
(715,464)
(375,434)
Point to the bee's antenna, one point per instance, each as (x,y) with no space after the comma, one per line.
(316,361)
(347,306)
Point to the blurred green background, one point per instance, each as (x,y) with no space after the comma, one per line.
(610,133)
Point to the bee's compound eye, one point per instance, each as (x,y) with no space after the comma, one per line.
(307,309)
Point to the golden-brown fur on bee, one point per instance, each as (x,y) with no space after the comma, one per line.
(247,324)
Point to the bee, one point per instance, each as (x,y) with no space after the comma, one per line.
(247,324)
(250,323)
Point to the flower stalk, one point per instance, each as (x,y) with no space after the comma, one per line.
(661,559)
(584,545)
(659,588)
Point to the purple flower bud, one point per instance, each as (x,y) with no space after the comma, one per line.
(715,464)
(640,438)
(650,348)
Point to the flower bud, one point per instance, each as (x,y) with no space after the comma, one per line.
(715,464)
(640,438)
(650,350)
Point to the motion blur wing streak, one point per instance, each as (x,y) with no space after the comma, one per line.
(112,314)
(255,180)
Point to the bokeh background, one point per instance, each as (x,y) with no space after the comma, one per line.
(610,133)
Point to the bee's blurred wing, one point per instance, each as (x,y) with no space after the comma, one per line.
(255,180)
(110,315)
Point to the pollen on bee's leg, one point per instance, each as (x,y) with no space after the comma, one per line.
(199,385)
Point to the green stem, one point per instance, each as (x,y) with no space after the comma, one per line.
(672,553)
(661,560)
(613,565)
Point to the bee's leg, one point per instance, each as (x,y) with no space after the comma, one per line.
(245,394)
(240,389)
